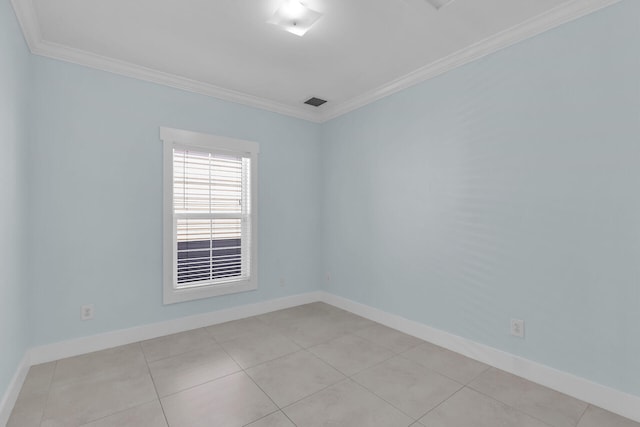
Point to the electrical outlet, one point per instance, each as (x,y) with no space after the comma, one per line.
(86,312)
(517,328)
(282,282)
(328,277)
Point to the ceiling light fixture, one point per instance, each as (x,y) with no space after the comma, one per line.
(439,3)
(295,17)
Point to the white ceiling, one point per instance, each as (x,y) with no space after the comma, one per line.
(359,51)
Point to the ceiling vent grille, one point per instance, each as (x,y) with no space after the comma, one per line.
(316,102)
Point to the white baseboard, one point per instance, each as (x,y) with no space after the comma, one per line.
(605,397)
(11,395)
(612,400)
(77,346)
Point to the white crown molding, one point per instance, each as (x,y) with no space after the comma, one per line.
(81,57)
(616,401)
(566,12)
(551,19)
(27,17)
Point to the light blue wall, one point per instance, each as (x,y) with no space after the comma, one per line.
(509,187)
(505,188)
(14,90)
(96,200)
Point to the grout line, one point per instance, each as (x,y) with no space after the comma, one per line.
(153,382)
(164,336)
(583,414)
(410,416)
(315,392)
(441,403)
(385,400)
(198,385)
(257,385)
(509,406)
(128,408)
(265,393)
(344,378)
(265,416)
(441,373)
(116,413)
(46,402)
(285,414)
(281,331)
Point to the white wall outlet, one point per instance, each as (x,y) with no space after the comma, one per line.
(86,312)
(282,282)
(328,277)
(517,328)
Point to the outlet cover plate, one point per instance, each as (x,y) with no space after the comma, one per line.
(86,312)
(517,328)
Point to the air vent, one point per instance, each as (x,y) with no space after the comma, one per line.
(316,102)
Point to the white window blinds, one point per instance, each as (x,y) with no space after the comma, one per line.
(212,217)
(209,218)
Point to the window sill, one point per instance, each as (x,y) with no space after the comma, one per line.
(172,296)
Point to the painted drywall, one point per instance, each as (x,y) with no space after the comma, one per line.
(96,200)
(14,95)
(507,188)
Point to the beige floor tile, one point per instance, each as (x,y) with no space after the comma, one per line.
(597,417)
(394,340)
(346,404)
(309,332)
(91,386)
(350,354)
(114,362)
(39,378)
(172,345)
(146,415)
(231,401)
(556,409)
(78,402)
(28,409)
(395,380)
(453,365)
(468,408)
(286,317)
(173,374)
(239,328)
(277,419)
(312,324)
(410,387)
(249,351)
(27,412)
(326,307)
(294,377)
(350,322)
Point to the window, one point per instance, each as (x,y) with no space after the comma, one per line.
(210,233)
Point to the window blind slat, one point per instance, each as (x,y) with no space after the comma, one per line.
(211,210)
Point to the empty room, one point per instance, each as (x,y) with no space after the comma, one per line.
(357,213)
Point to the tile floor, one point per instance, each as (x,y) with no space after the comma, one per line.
(312,365)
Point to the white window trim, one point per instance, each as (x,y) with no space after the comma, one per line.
(178,137)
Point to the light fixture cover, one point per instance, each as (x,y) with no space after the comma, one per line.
(294,17)
(439,3)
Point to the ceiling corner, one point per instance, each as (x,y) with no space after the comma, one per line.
(532,27)
(28,20)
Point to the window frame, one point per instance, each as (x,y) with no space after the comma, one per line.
(172,138)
